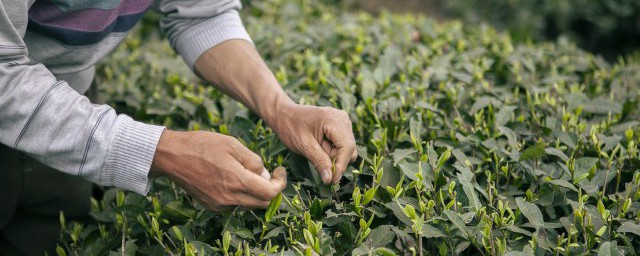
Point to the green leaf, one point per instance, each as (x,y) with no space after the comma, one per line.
(564,183)
(503,116)
(609,249)
(556,152)
(629,227)
(602,106)
(401,154)
(203,248)
(385,252)
(60,251)
(415,127)
(457,221)
(178,210)
(316,209)
(585,165)
(273,207)
(470,192)
(531,212)
(512,138)
(569,139)
(533,152)
(431,232)
(273,233)
(226,240)
(409,170)
(368,195)
(381,236)
(243,233)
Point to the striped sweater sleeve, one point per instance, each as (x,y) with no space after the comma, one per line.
(48,120)
(194,26)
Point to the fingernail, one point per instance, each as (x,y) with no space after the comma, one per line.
(265,174)
(280,173)
(326,177)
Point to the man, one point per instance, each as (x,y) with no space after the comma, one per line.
(47,53)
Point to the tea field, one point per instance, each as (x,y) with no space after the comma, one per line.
(468,143)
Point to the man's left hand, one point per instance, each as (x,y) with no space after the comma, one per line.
(321,134)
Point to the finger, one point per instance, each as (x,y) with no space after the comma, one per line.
(354,155)
(262,189)
(279,180)
(345,146)
(249,201)
(250,161)
(328,148)
(319,158)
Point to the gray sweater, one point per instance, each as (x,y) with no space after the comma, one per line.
(48,50)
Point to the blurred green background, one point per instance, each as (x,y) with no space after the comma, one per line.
(610,28)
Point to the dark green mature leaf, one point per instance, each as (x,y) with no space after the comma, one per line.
(457,221)
(503,116)
(470,192)
(629,227)
(556,152)
(273,233)
(432,232)
(568,139)
(533,152)
(585,165)
(531,212)
(179,210)
(511,136)
(609,249)
(564,183)
(602,106)
(130,249)
(380,236)
(203,249)
(401,154)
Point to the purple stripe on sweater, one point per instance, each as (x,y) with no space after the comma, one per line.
(86,20)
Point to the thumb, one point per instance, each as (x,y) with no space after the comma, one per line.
(279,179)
(320,160)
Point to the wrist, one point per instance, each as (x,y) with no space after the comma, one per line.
(276,110)
(164,152)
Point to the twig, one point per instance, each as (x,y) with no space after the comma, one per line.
(124,233)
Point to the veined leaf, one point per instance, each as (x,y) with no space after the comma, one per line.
(274,205)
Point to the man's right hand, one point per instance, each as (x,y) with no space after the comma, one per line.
(216,169)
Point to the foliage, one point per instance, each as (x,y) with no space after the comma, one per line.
(610,27)
(467,142)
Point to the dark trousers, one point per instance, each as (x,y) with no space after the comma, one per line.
(32,196)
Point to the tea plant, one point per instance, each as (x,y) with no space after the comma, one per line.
(468,144)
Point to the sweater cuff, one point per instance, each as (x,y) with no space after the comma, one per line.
(197,39)
(129,160)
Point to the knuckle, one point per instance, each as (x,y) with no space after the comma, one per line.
(256,159)
(351,147)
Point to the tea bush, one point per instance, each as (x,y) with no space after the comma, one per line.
(468,144)
(609,27)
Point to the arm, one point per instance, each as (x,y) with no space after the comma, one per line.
(217,169)
(320,134)
(48,120)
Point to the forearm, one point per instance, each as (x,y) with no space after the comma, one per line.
(236,68)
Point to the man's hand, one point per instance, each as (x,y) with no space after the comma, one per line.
(216,169)
(321,134)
